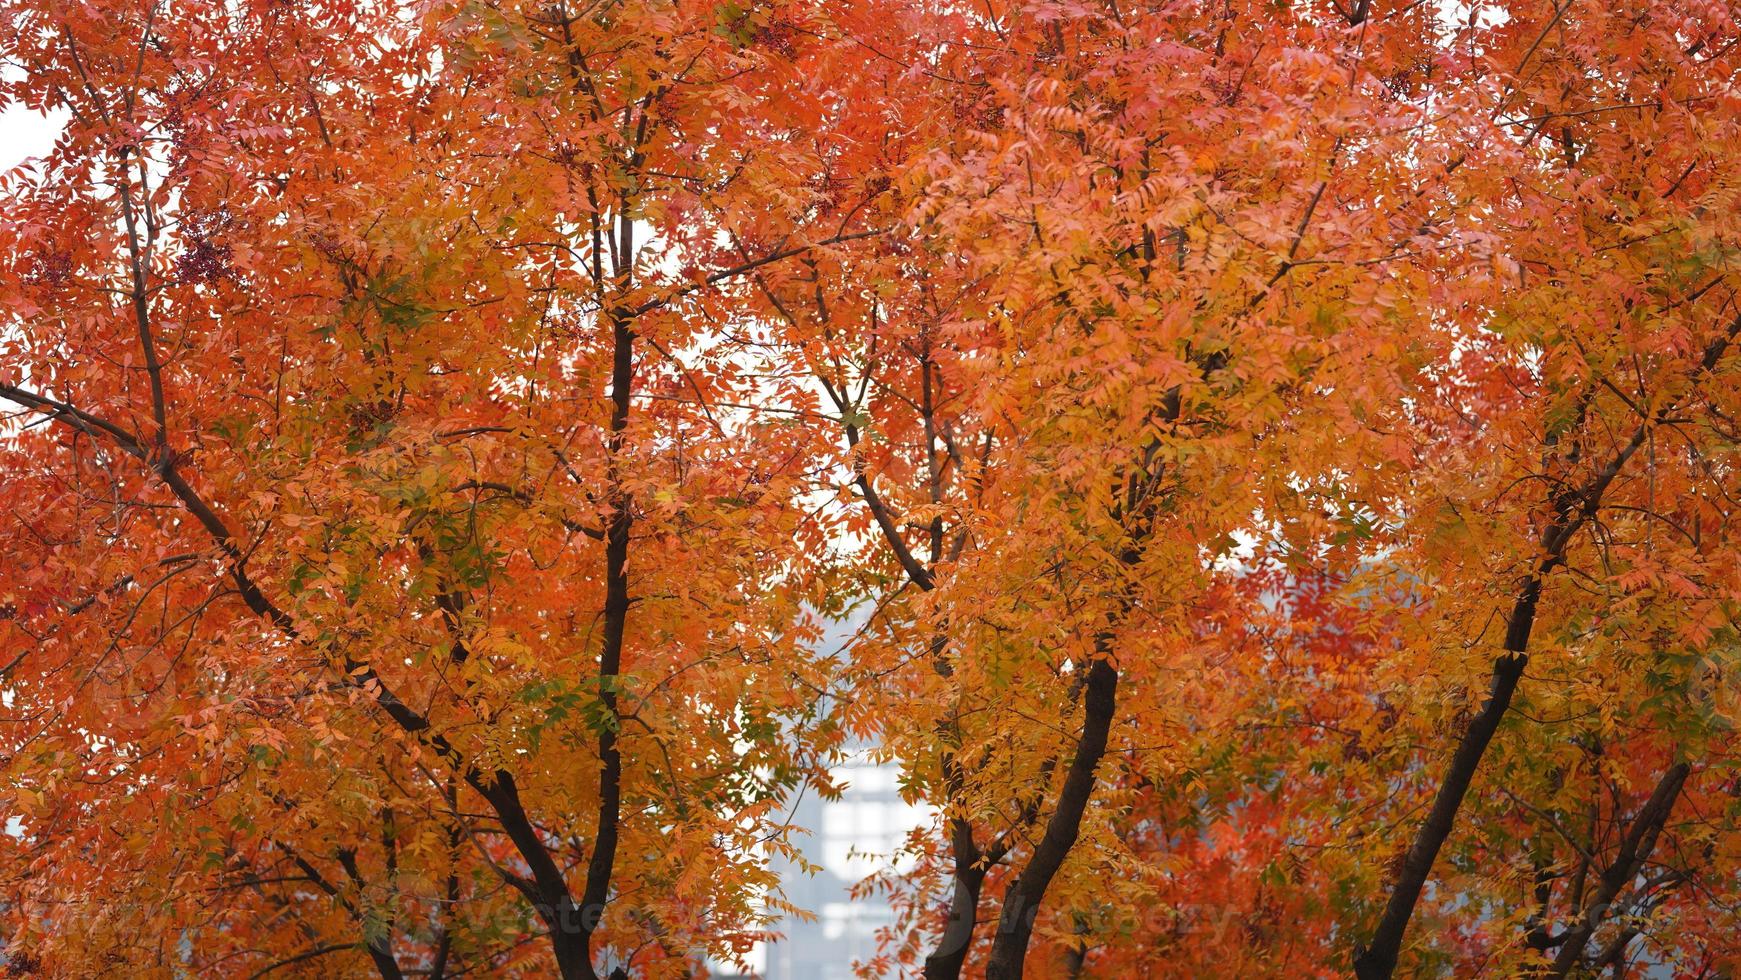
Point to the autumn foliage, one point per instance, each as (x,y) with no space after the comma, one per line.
(1276,459)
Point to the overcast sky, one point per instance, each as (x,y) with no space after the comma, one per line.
(23,134)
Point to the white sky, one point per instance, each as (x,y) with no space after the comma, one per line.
(24,134)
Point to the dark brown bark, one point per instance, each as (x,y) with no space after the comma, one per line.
(382,956)
(1635,849)
(1379,958)
(1022,901)
(616,613)
(945,961)
(547,890)
(379,948)
(448,912)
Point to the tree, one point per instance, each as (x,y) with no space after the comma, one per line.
(391,572)
(1604,330)
(1114,293)
(1280,456)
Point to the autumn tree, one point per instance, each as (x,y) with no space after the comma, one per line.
(1567,522)
(1279,456)
(1099,349)
(393,587)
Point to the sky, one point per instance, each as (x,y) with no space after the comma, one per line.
(24,134)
